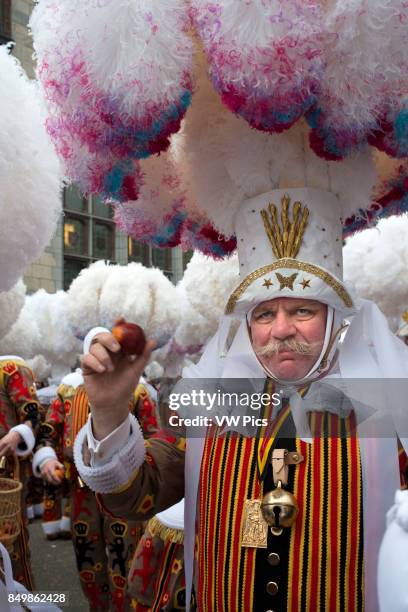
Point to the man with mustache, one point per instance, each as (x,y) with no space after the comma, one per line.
(303,479)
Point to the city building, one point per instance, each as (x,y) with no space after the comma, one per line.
(86,231)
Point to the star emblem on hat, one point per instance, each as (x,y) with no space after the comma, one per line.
(286,281)
(267,283)
(305,283)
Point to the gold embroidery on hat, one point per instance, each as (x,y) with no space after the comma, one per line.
(290,264)
(286,281)
(405,316)
(305,283)
(267,283)
(285,237)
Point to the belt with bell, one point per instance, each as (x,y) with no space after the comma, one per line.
(278,509)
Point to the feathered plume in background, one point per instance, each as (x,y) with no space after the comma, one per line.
(117,76)
(11,303)
(30,173)
(376,263)
(111,71)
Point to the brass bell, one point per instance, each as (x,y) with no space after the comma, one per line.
(279,509)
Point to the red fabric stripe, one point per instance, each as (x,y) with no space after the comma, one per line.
(300,495)
(353,534)
(203,518)
(314,564)
(334,514)
(223,521)
(211,521)
(249,552)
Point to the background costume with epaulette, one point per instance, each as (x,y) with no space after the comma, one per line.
(104,546)
(19,410)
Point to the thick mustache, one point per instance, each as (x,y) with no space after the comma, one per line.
(279,346)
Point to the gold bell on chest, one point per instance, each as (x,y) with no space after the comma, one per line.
(279,509)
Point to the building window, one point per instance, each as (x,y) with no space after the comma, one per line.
(150,257)
(99,209)
(74,200)
(139,252)
(89,233)
(75,235)
(5,21)
(103,241)
(161,258)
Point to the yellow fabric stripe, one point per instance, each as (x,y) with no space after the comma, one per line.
(312,535)
(219,490)
(263,452)
(252,576)
(244,551)
(296,526)
(80,409)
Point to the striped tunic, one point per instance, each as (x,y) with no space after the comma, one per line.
(321,555)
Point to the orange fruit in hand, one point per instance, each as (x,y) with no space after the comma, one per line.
(59,473)
(130,336)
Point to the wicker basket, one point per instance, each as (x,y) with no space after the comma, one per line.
(10,507)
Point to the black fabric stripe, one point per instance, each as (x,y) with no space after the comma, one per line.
(252,475)
(304,574)
(360,561)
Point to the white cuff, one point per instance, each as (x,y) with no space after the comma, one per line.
(102,451)
(28,439)
(123,465)
(40,457)
(90,336)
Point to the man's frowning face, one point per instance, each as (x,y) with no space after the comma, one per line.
(287,335)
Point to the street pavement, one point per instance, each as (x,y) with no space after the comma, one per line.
(54,568)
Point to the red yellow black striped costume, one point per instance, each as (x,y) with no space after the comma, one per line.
(320,565)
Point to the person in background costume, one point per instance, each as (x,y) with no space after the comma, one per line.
(57,515)
(104,546)
(19,421)
(156,578)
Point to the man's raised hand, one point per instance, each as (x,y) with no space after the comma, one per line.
(110,379)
